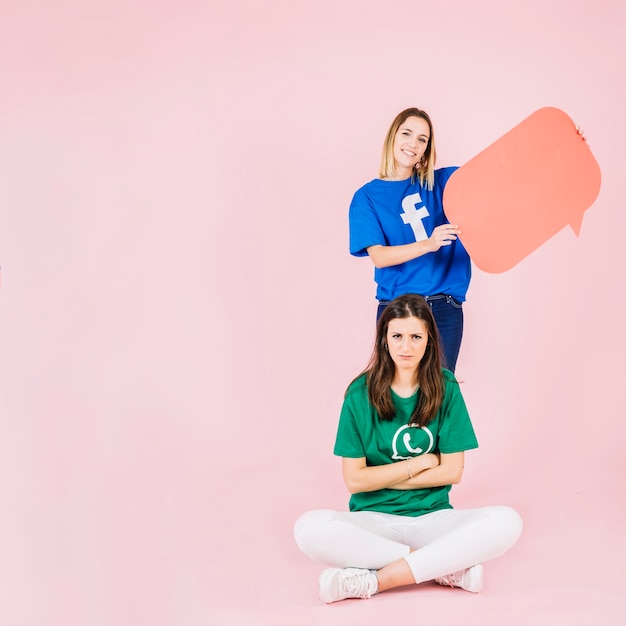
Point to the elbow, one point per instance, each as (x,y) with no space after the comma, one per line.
(378,264)
(356,484)
(353,487)
(376,257)
(456,477)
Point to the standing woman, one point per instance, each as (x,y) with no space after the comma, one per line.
(402,435)
(398,220)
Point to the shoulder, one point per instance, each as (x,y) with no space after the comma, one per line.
(368,187)
(364,197)
(448,376)
(450,383)
(358,386)
(356,399)
(379,187)
(357,392)
(443,174)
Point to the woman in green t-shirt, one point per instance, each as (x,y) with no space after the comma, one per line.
(402,435)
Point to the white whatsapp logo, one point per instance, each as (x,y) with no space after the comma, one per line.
(410,441)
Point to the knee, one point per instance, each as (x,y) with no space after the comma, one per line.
(506,524)
(307,528)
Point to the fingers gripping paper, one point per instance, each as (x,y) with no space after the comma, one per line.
(522,189)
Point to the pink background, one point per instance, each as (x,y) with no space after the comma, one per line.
(180,315)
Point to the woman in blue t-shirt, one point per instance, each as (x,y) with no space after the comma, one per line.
(398,221)
(402,435)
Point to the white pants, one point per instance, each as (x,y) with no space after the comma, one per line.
(443,542)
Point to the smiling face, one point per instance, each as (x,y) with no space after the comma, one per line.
(407,339)
(409,145)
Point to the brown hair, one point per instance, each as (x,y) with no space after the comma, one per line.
(381,368)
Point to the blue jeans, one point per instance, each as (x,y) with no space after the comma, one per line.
(448,314)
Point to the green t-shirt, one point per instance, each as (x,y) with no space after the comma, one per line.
(361,433)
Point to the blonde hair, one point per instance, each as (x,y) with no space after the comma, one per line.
(425,169)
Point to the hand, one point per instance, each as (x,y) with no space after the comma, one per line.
(443,235)
(428,461)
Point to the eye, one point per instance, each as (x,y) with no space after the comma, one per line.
(406,133)
(395,336)
(416,337)
(423,140)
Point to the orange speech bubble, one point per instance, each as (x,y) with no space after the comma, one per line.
(522,189)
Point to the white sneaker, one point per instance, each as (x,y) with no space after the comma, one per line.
(470,579)
(338,584)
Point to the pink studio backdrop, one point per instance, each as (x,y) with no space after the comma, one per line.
(180,315)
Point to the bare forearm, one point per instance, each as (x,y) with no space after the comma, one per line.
(435,477)
(386,256)
(448,472)
(360,477)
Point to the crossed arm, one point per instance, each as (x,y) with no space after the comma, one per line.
(428,470)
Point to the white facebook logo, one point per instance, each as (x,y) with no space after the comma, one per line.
(413,217)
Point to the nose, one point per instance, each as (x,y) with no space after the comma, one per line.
(405,343)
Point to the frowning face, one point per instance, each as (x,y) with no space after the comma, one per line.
(407,339)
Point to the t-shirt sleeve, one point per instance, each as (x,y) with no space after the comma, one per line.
(443,175)
(456,432)
(348,442)
(365,227)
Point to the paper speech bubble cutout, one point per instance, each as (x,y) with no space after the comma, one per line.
(522,189)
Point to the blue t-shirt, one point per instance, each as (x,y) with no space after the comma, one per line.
(391,213)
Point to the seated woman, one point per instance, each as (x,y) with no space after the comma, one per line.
(402,435)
